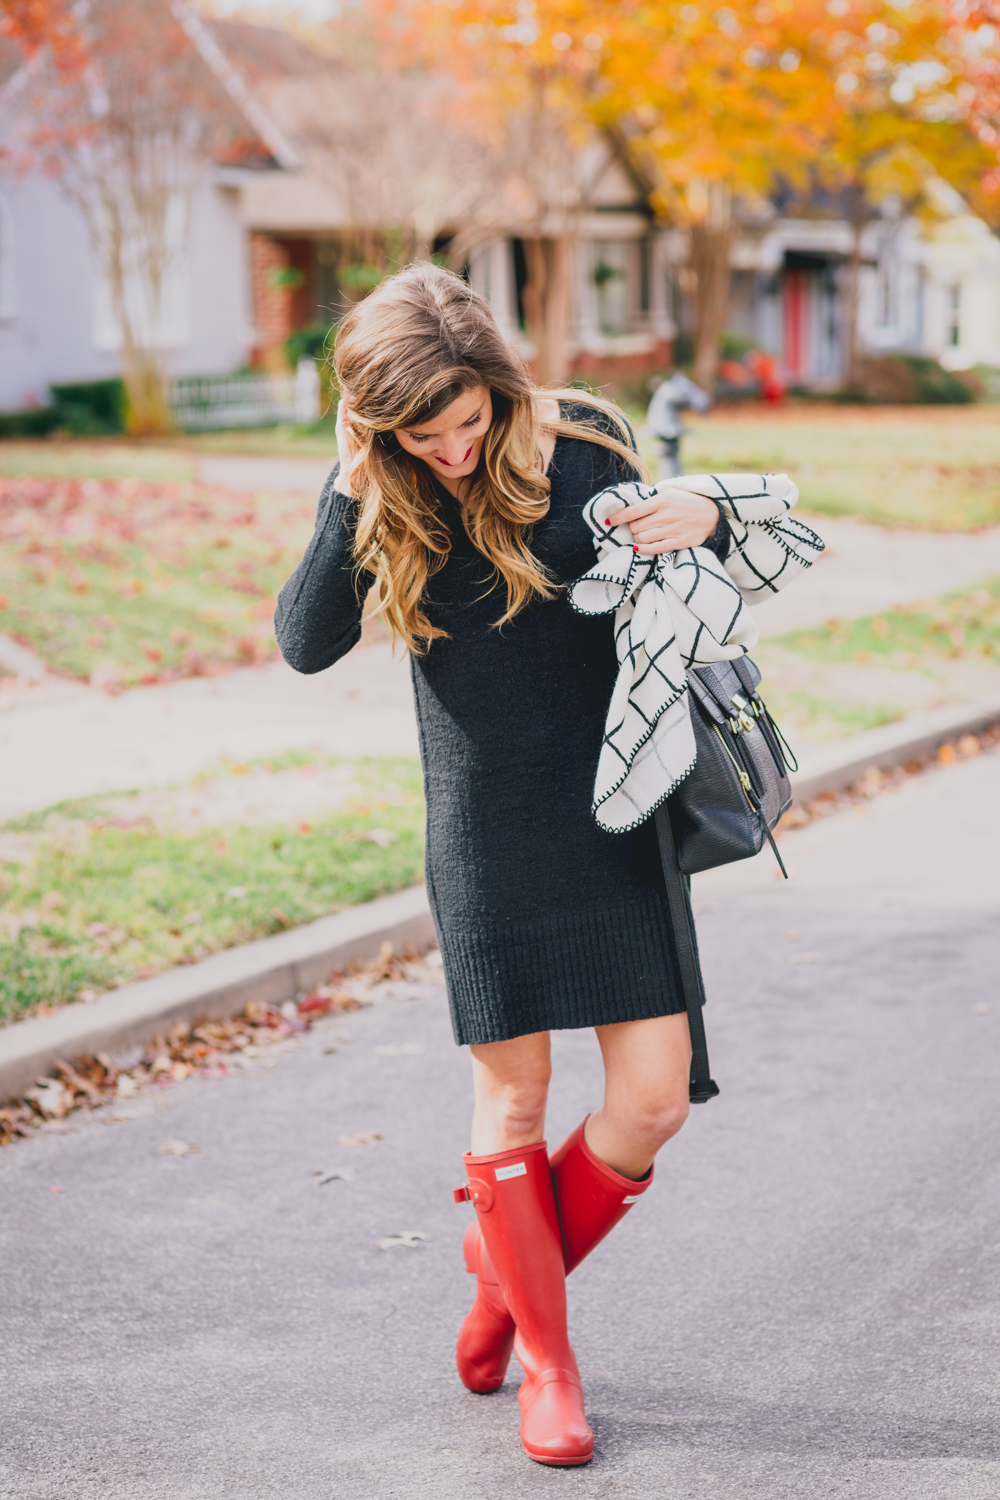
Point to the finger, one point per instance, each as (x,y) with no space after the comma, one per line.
(632,513)
(662,529)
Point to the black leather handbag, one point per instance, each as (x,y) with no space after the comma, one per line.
(722,811)
(727,805)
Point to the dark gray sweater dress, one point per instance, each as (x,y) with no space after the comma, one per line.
(545,920)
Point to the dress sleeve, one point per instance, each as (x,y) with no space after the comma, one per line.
(318,618)
(721,537)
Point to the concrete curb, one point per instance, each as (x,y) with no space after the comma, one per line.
(268,971)
(845,761)
(274,969)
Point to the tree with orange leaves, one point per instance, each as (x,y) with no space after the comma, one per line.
(723,104)
(862,97)
(43,23)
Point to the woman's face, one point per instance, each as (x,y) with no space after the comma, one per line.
(450,445)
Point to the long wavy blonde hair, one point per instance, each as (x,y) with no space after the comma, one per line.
(402,356)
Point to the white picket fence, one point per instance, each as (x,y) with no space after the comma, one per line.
(199,402)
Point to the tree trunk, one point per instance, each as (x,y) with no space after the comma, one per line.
(547,293)
(147,410)
(711,245)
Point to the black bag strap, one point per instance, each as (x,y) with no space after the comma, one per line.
(703,1086)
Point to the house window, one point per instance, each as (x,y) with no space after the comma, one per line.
(645,274)
(953,330)
(887,296)
(611,281)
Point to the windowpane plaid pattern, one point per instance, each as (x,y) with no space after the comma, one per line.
(674,611)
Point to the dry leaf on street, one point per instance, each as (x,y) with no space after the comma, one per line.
(363,1138)
(52,1098)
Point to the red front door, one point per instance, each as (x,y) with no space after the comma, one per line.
(795,307)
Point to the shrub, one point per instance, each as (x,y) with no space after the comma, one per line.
(35,423)
(90,408)
(909,380)
(311,342)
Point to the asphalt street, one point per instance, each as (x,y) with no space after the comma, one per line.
(806,1304)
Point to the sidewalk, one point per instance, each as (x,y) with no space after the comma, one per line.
(65,740)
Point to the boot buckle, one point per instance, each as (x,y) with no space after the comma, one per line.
(478,1192)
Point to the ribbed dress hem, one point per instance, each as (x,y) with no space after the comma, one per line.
(560,973)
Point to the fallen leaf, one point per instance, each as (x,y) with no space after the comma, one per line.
(342,1174)
(411,1238)
(178,1148)
(50,1097)
(363,1138)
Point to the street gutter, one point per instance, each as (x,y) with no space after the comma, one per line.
(275,969)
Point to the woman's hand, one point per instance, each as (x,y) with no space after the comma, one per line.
(669,520)
(346,450)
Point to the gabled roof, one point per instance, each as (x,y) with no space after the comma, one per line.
(267,52)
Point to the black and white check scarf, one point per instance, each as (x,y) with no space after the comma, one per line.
(678,610)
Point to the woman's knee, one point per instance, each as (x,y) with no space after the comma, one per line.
(657,1115)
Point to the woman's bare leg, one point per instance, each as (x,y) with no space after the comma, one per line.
(511,1080)
(647,1066)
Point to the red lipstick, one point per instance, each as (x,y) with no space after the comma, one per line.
(449,465)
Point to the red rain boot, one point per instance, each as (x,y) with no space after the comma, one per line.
(592,1196)
(516,1207)
(487,1336)
(592,1199)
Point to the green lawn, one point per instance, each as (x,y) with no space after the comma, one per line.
(963,624)
(88,458)
(847,676)
(126,580)
(168,460)
(932,468)
(98,892)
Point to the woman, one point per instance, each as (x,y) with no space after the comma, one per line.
(459,497)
